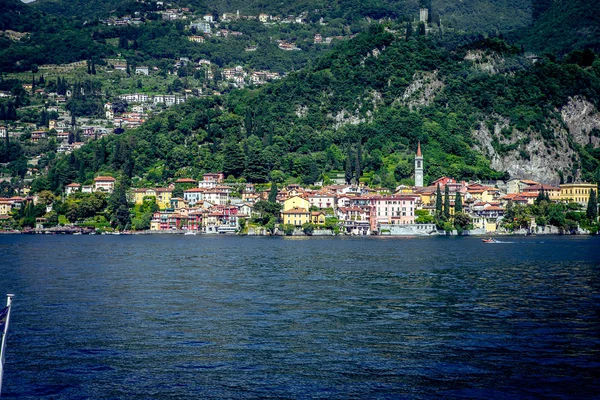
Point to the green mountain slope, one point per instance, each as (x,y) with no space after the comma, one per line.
(480,110)
(467,15)
(562,26)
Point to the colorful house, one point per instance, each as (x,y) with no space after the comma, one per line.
(296,202)
(577,192)
(296,216)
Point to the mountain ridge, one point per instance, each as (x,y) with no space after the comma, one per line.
(354,106)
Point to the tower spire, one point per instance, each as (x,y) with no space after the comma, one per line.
(419,167)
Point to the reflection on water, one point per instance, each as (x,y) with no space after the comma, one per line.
(229,317)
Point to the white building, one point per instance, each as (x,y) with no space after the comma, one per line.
(193,196)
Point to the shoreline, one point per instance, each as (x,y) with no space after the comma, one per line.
(279,234)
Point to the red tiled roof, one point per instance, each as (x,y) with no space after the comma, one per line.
(104,179)
(185,180)
(296,210)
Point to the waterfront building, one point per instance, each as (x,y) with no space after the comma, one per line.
(296,216)
(577,192)
(296,202)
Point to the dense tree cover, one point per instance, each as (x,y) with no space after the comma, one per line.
(287,129)
(49,39)
(468,15)
(567,217)
(561,26)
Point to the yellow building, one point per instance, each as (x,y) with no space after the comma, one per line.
(296,216)
(317,217)
(488,224)
(296,202)
(162,196)
(576,192)
(482,194)
(5,207)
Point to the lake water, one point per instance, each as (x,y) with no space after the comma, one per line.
(258,317)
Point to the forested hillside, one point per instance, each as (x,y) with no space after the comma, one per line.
(466,15)
(480,109)
(561,26)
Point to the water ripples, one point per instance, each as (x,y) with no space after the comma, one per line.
(229,317)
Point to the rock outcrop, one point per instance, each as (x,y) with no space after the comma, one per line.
(421,92)
(526,154)
(581,118)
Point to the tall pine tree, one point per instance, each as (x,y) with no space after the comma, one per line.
(273,193)
(458,207)
(438,202)
(348,168)
(592,206)
(447,202)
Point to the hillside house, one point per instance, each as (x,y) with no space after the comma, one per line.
(104,184)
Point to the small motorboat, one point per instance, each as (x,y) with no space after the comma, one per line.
(489,240)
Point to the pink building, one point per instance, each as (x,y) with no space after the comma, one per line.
(395,209)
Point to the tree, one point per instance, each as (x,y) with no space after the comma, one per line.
(541,196)
(348,170)
(423,217)
(46,197)
(447,202)
(234,161)
(458,203)
(409,30)
(461,221)
(273,193)
(592,206)
(438,202)
(177,192)
(308,228)
(358,164)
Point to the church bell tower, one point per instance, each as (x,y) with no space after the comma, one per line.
(419,167)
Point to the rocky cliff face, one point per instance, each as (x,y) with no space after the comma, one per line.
(422,91)
(526,155)
(581,118)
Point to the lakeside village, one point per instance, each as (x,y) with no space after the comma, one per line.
(218,205)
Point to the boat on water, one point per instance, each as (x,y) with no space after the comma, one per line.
(190,233)
(489,240)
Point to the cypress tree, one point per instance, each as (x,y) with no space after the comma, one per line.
(438,202)
(592,206)
(348,169)
(447,202)
(458,203)
(273,193)
(541,196)
(358,168)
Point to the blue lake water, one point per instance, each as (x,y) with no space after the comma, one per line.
(257,317)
